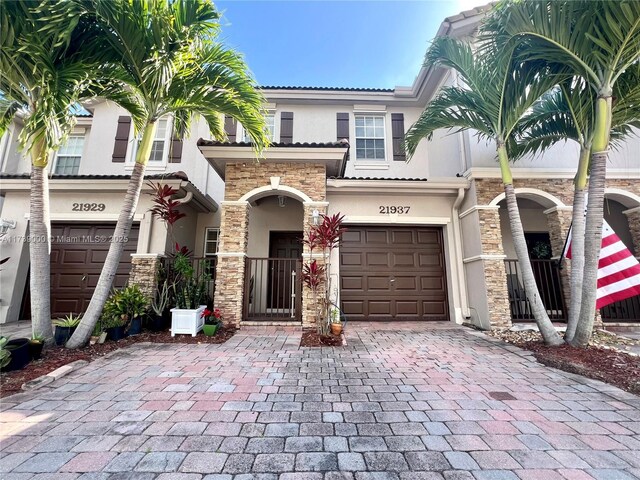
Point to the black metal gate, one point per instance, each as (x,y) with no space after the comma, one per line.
(273,289)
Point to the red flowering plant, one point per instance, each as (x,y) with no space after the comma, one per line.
(324,238)
(212,317)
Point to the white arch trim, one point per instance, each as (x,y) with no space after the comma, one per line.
(267,190)
(532,194)
(628,199)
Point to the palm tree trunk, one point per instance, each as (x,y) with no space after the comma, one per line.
(123,227)
(547,330)
(40,248)
(593,226)
(577,243)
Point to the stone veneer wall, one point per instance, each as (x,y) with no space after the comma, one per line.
(144,270)
(633,217)
(494,270)
(230,270)
(240,179)
(308,305)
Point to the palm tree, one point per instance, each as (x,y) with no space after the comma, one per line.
(168,64)
(498,94)
(597,40)
(42,75)
(567,113)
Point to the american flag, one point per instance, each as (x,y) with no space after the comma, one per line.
(618,269)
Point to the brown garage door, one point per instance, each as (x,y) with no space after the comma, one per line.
(393,274)
(78,253)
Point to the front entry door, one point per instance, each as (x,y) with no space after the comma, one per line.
(288,247)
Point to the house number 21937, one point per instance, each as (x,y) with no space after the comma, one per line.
(88,207)
(394,209)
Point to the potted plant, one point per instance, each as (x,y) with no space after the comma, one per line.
(114,316)
(5,354)
(190,295)
(20,354)
(35,346)
(336,322)
(212,321)
(159,305)
(135,305)
(65,328)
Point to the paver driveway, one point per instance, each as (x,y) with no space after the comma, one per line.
(416,402)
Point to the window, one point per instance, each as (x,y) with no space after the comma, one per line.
(211,242)
(270,120)
(160,145)
(369,137)
(69,156)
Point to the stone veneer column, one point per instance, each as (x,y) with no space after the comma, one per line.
(144,272)
(633,218)
(558,223)
(232,254)
(493,263)
(308,305)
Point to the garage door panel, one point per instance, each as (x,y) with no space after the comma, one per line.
(377,260)
(402,237)
(376,236)
(352,236)
(99,256)
(74,256)
(351,259)
(379,307)
(378,283)
(65,306)
(371,257)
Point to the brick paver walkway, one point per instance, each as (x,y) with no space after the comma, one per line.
(412,402)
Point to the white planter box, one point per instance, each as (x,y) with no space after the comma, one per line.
(187,321)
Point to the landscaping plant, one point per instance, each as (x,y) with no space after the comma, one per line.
(5,354)
(323,238)
(167,62)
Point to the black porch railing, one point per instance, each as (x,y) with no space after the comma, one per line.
(547,275)
(273,289)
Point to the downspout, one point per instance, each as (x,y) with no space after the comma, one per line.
(457,240)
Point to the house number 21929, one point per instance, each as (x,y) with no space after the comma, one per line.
(88,207)
(394,209)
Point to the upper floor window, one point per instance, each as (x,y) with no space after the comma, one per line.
(160,145)
(211,242)
(370,137)
(270,127)
(68,157)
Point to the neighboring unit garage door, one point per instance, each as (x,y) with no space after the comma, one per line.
(77,258)
(393,273)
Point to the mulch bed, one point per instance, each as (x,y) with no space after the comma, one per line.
(311,338)
(609,365)
(54,357)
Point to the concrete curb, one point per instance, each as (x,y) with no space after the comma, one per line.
(54,375)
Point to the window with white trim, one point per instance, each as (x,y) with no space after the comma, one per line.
(161,143)
(211,236)
(270,129)
(370,137)
(68,156)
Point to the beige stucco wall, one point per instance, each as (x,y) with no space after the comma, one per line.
(265,217)
(533,220)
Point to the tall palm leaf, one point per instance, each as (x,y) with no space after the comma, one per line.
(497,95)
(168,63)
(42,75)
(598,40)
(567,113)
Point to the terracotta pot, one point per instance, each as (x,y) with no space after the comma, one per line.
(336,328)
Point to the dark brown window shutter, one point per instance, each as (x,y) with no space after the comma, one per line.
(286,127)
(175,154)
(342,120)
(122,139)
(397,134)
(230,127)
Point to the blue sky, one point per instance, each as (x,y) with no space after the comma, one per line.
(377,44)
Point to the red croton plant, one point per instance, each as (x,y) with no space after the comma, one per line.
(323,238)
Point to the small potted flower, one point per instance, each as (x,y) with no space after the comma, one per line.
(336,322)
(212,320)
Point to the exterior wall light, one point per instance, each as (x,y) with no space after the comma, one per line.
(315,216)
(282,201)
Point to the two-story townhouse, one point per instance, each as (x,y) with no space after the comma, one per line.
(427,239)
